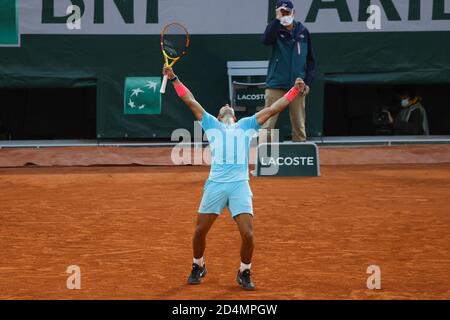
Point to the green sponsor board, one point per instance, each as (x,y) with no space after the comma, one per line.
(9,23)
(142,95)
(288,160)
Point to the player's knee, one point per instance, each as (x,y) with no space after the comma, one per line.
(200,232)
(248,236)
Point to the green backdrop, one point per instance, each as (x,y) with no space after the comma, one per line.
(105,61)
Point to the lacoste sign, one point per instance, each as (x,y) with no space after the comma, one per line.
(292,159)
(251,97)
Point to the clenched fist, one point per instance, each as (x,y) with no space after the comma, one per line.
(168,71)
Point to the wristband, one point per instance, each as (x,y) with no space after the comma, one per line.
(174,79)
(181,90)
(292,94)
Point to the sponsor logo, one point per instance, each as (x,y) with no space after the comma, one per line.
(142,95)
(251,97)
(145,16)
(126,10)
(287,161)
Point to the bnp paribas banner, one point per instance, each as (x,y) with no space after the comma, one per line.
(215,16)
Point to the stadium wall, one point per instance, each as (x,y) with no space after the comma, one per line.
(46,58)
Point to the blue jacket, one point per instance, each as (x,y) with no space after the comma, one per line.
(292,55)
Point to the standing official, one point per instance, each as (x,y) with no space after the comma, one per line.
(292,58)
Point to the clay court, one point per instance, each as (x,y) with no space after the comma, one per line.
(129,229)
(92,176)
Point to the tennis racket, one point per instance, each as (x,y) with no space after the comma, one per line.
(174,45)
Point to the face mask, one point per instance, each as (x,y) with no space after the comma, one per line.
(287,20)
(405,103)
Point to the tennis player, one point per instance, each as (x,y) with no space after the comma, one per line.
(227,185)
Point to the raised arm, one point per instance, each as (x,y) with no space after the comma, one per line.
(281,104)
(270,35)
(185,94)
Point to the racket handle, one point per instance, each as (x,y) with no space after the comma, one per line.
(163,85)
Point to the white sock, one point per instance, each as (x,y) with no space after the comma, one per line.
(245,267)
(199,262)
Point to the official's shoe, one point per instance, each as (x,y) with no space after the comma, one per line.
(244,280)
(197,274)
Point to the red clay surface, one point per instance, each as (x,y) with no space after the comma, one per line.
(130,228)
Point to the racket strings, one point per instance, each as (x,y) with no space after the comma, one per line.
(171,49)
(175,41)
